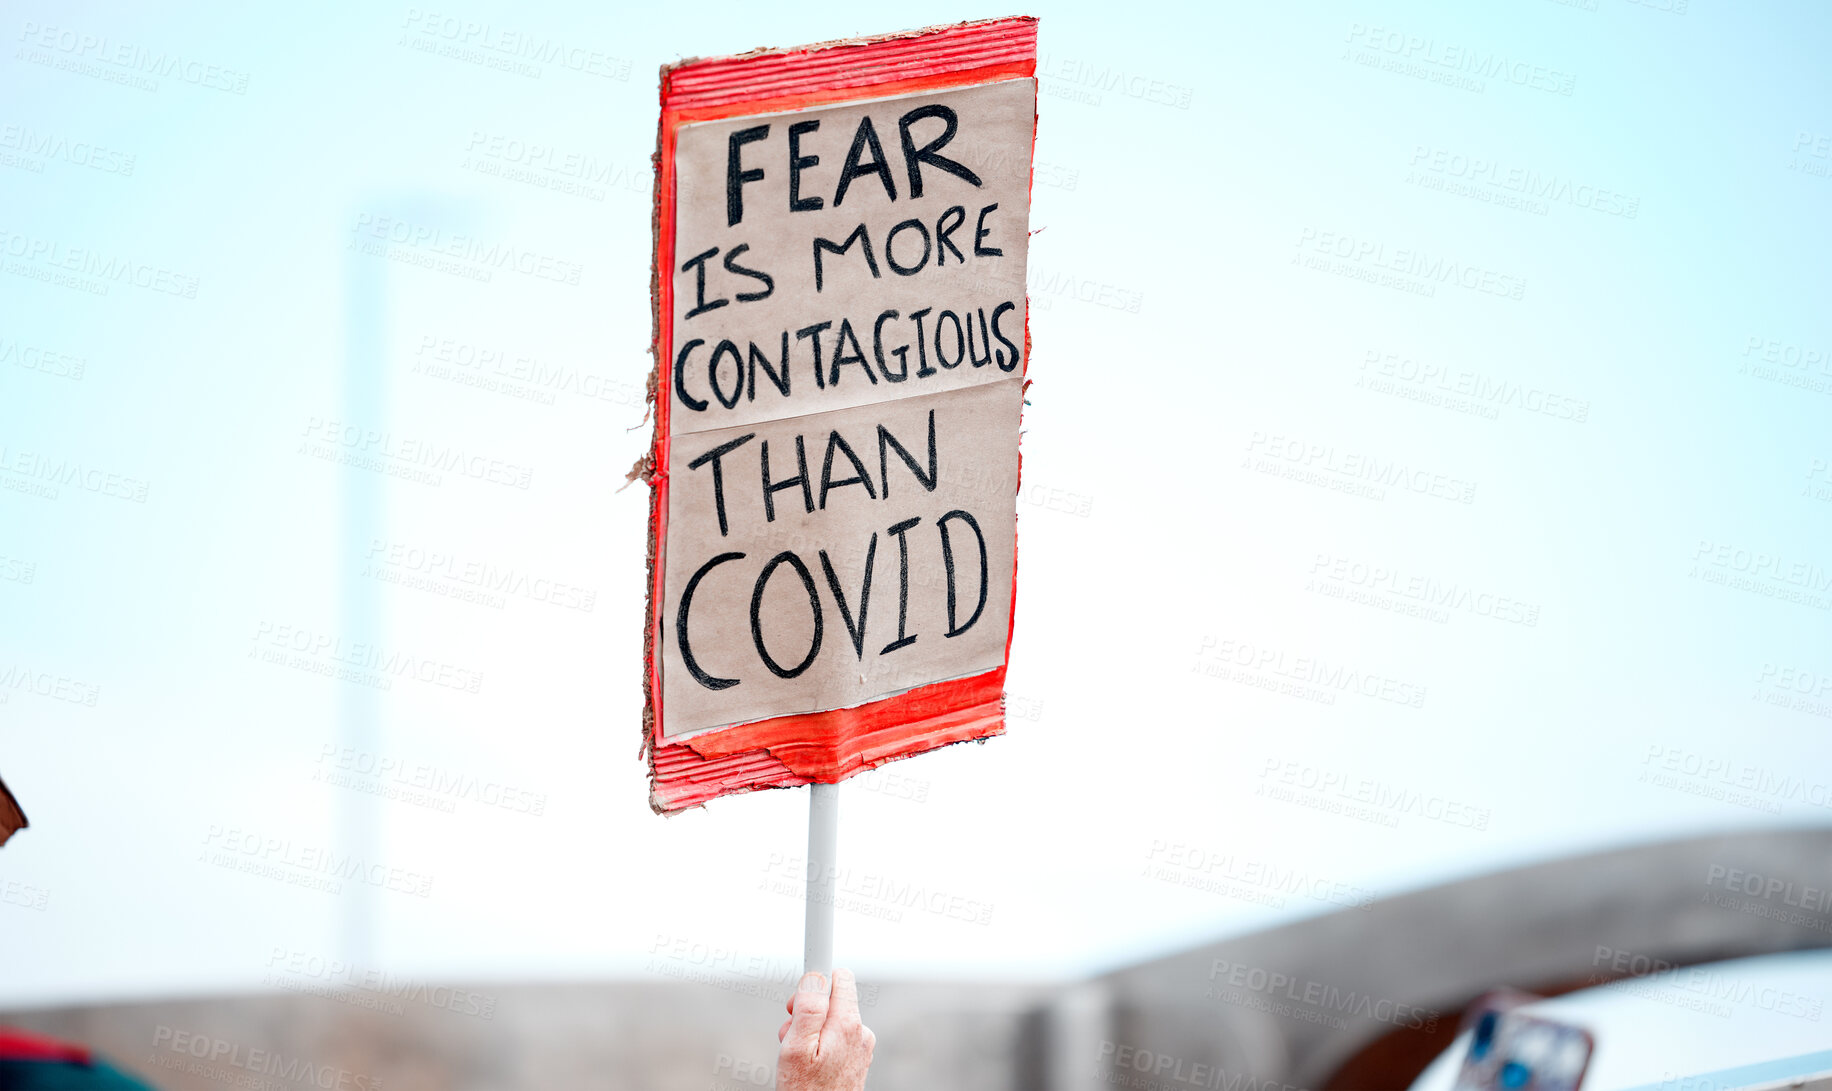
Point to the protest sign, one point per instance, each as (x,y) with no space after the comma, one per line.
(841,356)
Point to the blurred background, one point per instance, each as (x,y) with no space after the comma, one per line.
(1426,583)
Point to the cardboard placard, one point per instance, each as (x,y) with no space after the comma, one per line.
(841,347)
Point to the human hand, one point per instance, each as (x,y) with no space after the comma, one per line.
(824,1045)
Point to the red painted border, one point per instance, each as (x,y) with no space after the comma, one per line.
(824,747)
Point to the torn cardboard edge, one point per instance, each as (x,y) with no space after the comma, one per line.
(828,69)
(853,741)
(840,743)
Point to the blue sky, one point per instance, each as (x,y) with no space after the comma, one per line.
(1427,470)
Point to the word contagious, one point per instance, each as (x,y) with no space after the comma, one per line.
(951,337)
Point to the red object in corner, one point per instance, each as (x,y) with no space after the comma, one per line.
(23,1045)
(822,747)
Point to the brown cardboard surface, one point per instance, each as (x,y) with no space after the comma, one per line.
(992,140)
(976,464)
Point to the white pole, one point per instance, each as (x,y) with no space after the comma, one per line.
(823,861)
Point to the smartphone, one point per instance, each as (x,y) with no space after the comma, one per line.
(1510,1050)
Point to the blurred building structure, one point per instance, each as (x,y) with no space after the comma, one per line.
(1362,997)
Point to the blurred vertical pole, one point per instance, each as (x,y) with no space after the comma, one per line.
(365,344)
(823,875)
(1076,1029)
